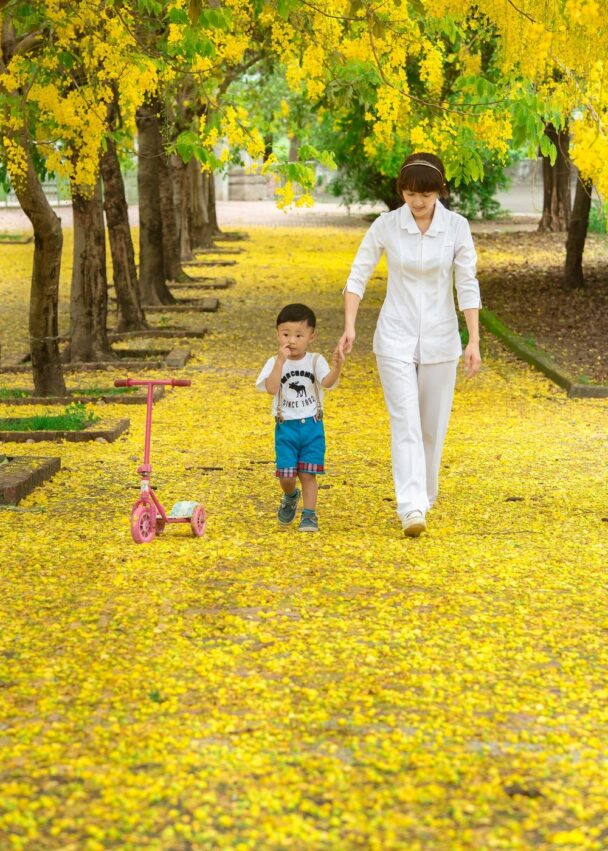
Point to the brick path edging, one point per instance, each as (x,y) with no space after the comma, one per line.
(109,430)
(109,399)
(21,475)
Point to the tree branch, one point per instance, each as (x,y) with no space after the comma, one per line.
(28,42)
(521,11)
(430,104)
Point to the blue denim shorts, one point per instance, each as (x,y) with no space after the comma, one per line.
(299,447)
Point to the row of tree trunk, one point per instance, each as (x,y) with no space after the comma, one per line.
(559,213)
(177,217)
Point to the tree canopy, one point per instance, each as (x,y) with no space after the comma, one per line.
(466,79)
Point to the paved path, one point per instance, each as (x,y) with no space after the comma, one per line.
(351,690)
(267,214)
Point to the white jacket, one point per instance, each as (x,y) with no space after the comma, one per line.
(418,318)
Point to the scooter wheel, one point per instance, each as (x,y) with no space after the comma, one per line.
(143,524)
(198,521)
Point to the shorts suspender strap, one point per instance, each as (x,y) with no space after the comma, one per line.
(319,414)
(279,415)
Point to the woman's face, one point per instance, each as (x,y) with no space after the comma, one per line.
(421,204)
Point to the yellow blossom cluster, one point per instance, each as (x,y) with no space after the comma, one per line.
(494,129)
(431,67)
(569,58)
(235,127)
(68,107)
(566,68)
(419,63)
(16,158)
(255,690)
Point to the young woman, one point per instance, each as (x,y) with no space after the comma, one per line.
(416,343)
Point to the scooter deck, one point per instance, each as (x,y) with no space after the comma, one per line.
(183,509)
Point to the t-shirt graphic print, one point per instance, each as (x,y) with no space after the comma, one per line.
(298,398)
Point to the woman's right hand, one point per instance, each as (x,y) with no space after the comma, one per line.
(346,341)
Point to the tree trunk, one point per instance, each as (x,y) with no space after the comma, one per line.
(186,246)
(130,314)
(202,230)
(176,165)
(556,183)
(44,292)
(215,228)
(171,256)
(294,149)
(152,287)
(89,296)
(577,234)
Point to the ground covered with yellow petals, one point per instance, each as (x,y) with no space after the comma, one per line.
(264,689)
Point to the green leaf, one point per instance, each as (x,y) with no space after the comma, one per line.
(546,146)
(178,16)
(152,7)
(185,144)
(283,8)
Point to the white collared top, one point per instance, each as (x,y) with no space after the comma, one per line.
(418,320)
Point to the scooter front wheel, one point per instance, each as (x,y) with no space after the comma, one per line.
(143,524)
(198,521)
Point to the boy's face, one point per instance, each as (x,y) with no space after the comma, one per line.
(297,336)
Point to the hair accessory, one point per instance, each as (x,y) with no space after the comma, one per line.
(423,162)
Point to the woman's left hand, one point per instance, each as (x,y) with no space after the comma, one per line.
(472,360)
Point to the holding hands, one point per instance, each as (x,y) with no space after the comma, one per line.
(337,358)
(346,341)
(337,361)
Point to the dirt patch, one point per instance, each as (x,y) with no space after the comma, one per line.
(521,279)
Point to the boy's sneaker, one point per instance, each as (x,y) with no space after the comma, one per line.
(287,508)
(308,523)
(413,524)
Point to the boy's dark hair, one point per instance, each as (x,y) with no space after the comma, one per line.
(297,313)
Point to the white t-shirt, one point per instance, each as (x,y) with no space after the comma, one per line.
(298,399)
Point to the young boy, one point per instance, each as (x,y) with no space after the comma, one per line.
(296,378)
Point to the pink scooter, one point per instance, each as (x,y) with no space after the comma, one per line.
(148,517)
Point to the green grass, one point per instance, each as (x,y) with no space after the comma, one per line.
(10,393)
(74,418)
(15,237)
(597,218)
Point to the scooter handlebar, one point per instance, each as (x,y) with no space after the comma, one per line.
(169,382)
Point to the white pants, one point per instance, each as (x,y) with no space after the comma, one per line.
(419,400)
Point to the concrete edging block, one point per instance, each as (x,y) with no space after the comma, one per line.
(204,284)
(178,333)
(205,305)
